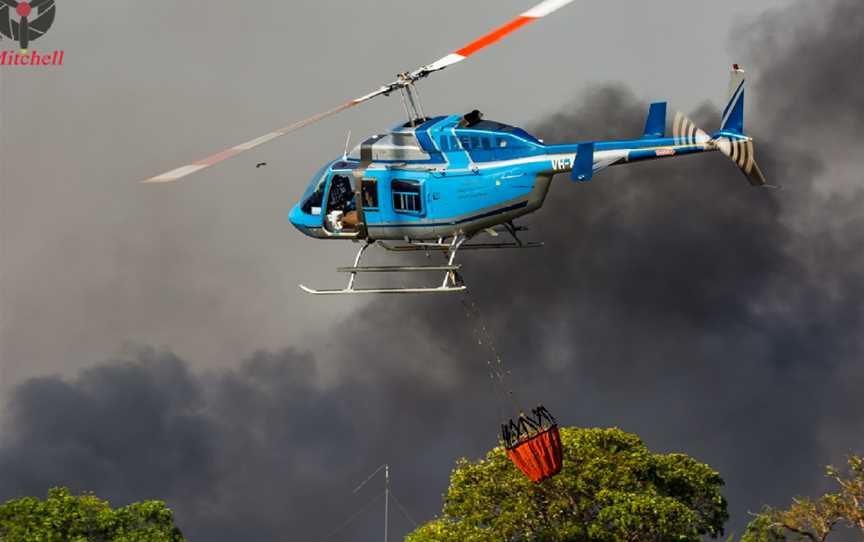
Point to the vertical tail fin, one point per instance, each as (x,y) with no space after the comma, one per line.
(655,125)
(733,114)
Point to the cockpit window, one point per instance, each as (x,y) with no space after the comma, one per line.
(313,198)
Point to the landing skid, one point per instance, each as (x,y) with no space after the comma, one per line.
(452,282)
(359,291)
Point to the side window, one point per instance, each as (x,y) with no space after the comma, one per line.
(407,197)
(508,148)
(481,149)
(369,192)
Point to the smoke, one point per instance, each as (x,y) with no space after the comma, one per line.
(671,299)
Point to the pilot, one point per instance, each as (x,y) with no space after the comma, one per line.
(340,205)
(350,220)
(341,195)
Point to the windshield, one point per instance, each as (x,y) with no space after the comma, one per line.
(313,198)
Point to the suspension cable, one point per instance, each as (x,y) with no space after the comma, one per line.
(498,373)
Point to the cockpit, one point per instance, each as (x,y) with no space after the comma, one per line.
(328,203)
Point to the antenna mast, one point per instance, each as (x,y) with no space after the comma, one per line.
(386,499)
(386,468)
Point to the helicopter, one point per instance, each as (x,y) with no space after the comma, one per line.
(434,184)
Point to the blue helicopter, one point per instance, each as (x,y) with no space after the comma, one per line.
(433,184)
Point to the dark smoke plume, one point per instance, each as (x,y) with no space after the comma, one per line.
(672,300)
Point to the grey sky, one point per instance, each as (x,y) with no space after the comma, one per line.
(672,299)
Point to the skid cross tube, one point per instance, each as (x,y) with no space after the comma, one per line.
(451,275)
(353,276)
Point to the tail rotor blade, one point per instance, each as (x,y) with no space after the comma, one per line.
(740,151)
(686,132)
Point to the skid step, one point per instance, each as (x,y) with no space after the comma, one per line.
(359,291)
(399,269)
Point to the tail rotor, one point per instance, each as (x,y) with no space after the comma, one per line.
(738,148)
(686,132)
(741,152)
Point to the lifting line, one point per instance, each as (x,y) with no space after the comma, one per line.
(498,373)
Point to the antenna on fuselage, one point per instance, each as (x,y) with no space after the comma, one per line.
(347,142)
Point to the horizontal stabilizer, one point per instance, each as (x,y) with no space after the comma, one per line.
(655,126)
(583,169)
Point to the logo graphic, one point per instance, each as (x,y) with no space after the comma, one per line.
(26,21)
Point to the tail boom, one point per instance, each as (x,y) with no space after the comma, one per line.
(686,139)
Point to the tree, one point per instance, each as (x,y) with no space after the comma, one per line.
(611,488)
(63,517)
(815,520)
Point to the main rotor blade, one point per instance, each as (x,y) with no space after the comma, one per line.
(547,7)
(179,173)
(539,11)
(11,3)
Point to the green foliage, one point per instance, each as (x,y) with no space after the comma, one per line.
(762,529)
(63,517)
(815,520)
(611,489)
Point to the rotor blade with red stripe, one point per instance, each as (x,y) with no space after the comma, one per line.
(539,11)
(179,173)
